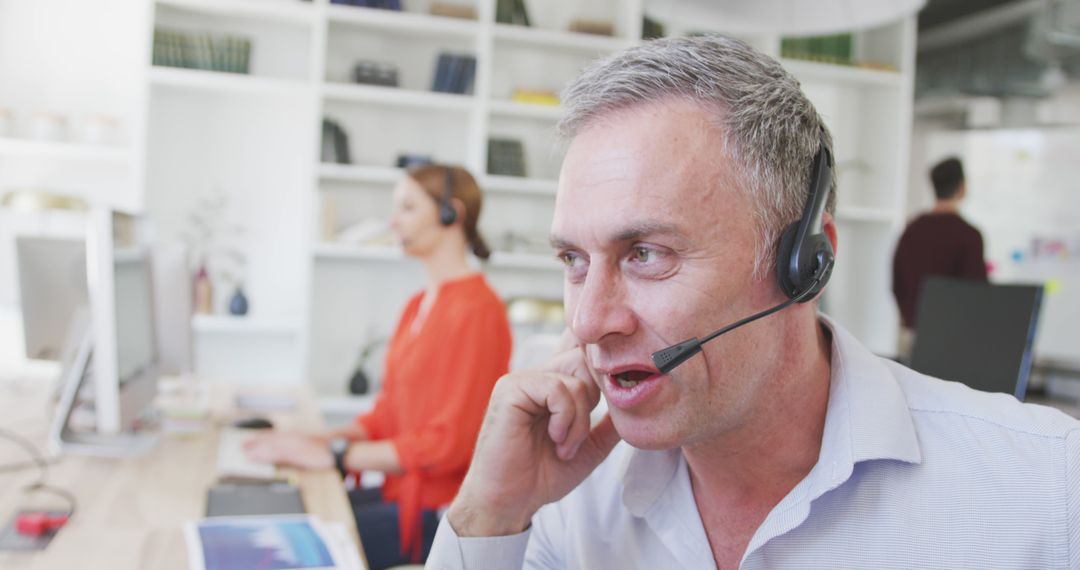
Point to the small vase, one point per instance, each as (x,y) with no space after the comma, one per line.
(358,383)
(238,305)
(204,292)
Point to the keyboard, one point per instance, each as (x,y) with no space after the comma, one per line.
(233,462)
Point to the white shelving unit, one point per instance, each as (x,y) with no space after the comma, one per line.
(67,151)
(274,11)
(351,293)
(196,134)
(393,97)
(220,82)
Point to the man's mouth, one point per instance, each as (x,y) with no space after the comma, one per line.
(631,378)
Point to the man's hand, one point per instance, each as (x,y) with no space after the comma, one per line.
(535,447)
(292,449)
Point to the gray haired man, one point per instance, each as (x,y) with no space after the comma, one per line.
(785,443)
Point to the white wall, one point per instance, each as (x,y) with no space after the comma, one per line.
(1021,187)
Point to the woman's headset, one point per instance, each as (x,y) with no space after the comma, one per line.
(447,212)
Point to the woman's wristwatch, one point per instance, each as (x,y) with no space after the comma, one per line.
(339,446)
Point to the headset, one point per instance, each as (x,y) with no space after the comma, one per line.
(447,212)
(804,260)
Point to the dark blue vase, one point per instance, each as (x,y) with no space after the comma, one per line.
(238,305)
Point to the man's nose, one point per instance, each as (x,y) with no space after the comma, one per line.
(602,307)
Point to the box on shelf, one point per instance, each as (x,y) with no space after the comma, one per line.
(595,27)
(536,97)
(375,73)
(506,157)
(451,10)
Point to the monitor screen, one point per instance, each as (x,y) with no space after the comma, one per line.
(52,287)
(976,333)
(135,348)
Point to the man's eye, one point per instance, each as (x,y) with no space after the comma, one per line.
(569,258)
(642,254)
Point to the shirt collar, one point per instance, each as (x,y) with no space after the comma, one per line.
(867,418)
(864,392)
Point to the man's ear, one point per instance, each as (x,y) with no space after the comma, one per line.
(828,225)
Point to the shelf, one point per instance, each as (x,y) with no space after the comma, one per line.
(228,324)
(516,185)
(419,24)
(499,259)
(806,71)
(558,39)
(287,11)
(343,251)
(27,148)
(358,173)
(394,96)
(528,261)
(865,215)
(222,82)
(346,405)
(526,110)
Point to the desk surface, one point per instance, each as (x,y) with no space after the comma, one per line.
(131,511)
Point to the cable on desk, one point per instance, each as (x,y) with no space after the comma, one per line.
(36,459)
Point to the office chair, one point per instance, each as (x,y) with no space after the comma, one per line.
(977,333)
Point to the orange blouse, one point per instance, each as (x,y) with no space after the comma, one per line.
(435,390)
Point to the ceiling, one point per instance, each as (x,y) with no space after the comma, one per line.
(998,48)
(938,12)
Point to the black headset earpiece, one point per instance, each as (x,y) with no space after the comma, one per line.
(804,262)
(805,257)
(447,213)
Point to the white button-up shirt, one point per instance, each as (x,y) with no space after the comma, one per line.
(914,472)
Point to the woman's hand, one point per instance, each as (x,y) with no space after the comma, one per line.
(291,449)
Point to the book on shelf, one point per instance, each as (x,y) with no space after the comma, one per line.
(594,27)
(835,48)
(452,10)
(511,12)
(454,73)
(212,52)
(394,5)
(651,29)
(506,157)
(335,143)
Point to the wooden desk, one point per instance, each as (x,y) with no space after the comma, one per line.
(131,511)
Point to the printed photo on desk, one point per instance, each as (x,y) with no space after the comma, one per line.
(269,543)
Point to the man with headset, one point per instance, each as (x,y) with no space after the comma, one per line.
(697,191)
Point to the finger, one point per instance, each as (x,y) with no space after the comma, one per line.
(257,452)
(560,402)
(571,363)
(567,341)
(602,439)
(584,402)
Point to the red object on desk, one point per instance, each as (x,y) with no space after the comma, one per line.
(38,523)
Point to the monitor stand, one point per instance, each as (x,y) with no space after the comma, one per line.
(63,439)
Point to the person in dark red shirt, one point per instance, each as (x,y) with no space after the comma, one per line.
(938,242)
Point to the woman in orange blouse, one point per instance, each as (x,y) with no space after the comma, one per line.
(450,346)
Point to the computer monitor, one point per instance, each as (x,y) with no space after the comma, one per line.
(977,333)
(118,348)
(52,287)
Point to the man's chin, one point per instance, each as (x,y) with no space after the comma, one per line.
(649,434)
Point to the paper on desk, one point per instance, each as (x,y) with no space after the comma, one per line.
(281,542)
(265,402)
